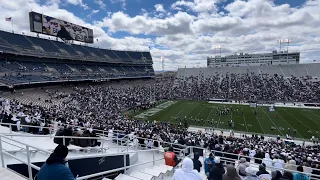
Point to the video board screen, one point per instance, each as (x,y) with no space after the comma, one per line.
(48,25)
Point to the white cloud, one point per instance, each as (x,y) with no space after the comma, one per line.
(94,11)
(101,4)
(199,6)
(78,2)
(122,2)
(159,8)
(119,21)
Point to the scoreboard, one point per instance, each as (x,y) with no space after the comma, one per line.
(40,23)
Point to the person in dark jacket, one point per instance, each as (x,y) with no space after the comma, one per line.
(196,163)
(287,176)
(262,173)
(276,175)
(54,168)
(217,170)
(260,156)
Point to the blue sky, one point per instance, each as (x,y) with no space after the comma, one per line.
(184,31)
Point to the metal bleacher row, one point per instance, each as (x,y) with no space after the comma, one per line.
(25,59)
(298,70)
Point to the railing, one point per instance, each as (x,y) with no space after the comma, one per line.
(182,151)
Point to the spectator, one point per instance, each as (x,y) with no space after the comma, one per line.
(278,164)
(262,173)
(231,173)
(287,176)
(196,163)
(187,172)
(267,161)
(291,165)
(300,176)
(258,155)
(217,170)
(171,158)
(276,175)
(242,167)
(250,174)
(208,161)
(54,168)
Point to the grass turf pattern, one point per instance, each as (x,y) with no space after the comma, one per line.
(200,113)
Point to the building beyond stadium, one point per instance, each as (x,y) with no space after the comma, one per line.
(274,58)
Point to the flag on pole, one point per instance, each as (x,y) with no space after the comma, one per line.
(8,18)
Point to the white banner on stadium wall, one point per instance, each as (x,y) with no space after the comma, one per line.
(254,105)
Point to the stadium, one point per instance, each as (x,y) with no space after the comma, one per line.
(74,111)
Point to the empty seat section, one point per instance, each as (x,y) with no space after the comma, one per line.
(109,53)
(46,45)
(135,55)
(66,47)
(123,56)
(81,49)
(94,51)
(7,49)
(15,39)
(80,68)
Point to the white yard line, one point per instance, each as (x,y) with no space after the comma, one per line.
(296,119)
(200,112)
(310,118)
(244,118)
(258,121)
(272,122)
(289,124)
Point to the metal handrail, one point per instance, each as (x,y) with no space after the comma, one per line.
(99,138)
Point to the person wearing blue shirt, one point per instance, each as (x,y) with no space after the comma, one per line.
(300,176)
(208,161)
(54,168)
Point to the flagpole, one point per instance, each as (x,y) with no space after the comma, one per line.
(12,24)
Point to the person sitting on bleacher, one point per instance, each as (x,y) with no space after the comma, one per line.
(54,168)
(216,171)
(267,160)
(187,172)
(242,167)
(300,175)
(262,173)
(231,173)
(250,174)
(171,158)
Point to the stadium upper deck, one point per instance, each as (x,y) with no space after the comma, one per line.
(298,70)
(27,60)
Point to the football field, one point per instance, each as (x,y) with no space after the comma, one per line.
(200,113)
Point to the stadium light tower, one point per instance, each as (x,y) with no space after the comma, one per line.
(281,41)
(215,47)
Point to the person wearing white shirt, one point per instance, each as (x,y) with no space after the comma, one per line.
(278,164)
(267,161)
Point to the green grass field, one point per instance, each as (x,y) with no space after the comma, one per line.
(200,113)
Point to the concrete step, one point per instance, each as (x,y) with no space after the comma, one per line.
(6,174)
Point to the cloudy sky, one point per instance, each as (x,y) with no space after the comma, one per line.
(183,31)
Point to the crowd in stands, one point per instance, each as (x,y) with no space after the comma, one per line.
(99,107)
(249,86)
